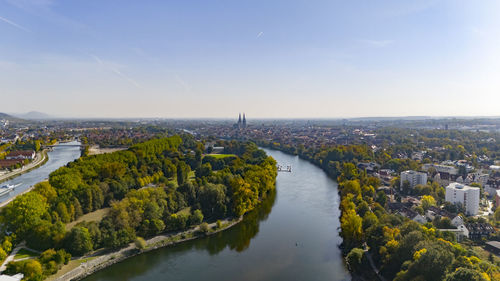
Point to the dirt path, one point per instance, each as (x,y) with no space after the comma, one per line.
(372,264)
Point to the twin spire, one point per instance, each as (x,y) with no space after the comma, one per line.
(242,123)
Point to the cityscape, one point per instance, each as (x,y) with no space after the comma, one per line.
(249,140)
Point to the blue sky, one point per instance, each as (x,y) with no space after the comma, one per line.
(85,58)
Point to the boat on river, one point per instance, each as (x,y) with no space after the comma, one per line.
(6,189)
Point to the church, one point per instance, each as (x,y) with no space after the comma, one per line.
(242,123)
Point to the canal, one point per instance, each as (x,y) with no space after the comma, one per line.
(292,236)
(59,156)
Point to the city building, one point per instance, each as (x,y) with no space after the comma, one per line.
(414,178)
(479,231)
(21,154)
(242,123)
(458,193)
(460,232)
(497,198)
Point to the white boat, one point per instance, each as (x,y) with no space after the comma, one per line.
(6,189)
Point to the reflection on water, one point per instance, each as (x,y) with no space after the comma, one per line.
(293,235)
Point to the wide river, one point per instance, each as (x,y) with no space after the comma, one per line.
(59,156)
(292,236)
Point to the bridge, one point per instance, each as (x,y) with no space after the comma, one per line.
(63,144)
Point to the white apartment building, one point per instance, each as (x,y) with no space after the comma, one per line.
(466,195)
(414,178)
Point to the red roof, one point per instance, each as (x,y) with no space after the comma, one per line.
(21,153)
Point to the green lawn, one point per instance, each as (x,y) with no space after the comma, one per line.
(93,216)
(185,211)
(219,156)
(25,253)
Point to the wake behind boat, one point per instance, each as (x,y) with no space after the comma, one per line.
(6,189)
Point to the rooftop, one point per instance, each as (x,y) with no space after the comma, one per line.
(456,185)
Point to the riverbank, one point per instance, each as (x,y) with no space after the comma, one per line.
(40,159)
(99,260)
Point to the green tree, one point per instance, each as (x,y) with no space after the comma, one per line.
(354,259)
(428,201)
(196,217)
(25,212)
(78,241)
(465,274)
(351,228)
(140,243)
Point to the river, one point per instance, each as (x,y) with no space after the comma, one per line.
(293,235)
(59,156)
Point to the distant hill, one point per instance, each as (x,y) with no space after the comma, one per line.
(6,116)
(33,115)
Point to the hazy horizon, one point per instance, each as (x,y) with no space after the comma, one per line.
(279,59)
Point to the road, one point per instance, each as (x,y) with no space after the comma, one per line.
(39,158)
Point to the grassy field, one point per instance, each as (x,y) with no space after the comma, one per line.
(25,253)
(483,254)
(94,216)
(185,211)
(219,156)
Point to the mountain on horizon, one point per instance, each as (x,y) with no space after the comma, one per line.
(33,115)
(6,116)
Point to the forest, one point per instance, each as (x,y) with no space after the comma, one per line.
(157,186)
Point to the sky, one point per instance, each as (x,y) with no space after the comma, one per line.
(267,58)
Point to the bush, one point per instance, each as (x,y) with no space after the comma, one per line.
(204,228)
(354,258)
(140,243)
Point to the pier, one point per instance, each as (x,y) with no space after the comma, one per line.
(283,168)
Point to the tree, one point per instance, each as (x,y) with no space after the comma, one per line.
(78,241)
(62,211)
(33,270)
(196,217)
(204,228)
(351,228)
(381,198)
(140,243)
(497,214)
(182,172)
(465,274)
(24,213)
(428,201)
(354,258)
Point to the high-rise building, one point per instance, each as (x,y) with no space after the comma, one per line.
(414,178)
(466,195)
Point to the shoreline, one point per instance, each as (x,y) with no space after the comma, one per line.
(15,174)
(94,262)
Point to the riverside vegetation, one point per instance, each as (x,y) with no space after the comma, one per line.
(153,187)
(401,248)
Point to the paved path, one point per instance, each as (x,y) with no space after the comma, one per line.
(11,256)
(39,158)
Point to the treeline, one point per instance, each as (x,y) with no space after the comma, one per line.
(156,186)
(401,248)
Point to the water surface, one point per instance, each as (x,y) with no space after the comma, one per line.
(292,236)
(59,156)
